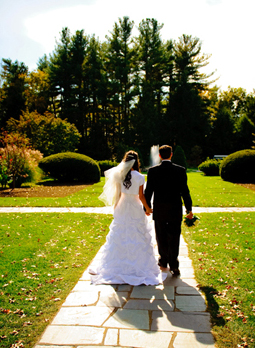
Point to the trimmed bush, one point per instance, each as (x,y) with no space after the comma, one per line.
(179,157)
(239,167)
(70,166)
(210,167)
(105,165)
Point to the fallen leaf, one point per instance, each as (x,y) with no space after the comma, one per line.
(18,344)
(6,311)
(14,332)
(26,323)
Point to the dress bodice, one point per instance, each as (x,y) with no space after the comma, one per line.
(137,180)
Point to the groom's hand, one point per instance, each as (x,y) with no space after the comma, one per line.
(189,215)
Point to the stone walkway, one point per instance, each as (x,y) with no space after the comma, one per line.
(171,315)
(108,210)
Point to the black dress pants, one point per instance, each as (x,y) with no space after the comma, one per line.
(168,239)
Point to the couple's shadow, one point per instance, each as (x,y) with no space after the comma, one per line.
(174,306)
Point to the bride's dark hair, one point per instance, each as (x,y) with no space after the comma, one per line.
(129,156)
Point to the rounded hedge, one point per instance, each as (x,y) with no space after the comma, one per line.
(239,167)
(105,165)
(70,166)
(210,167)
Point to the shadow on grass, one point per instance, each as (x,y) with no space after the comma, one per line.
(212,305)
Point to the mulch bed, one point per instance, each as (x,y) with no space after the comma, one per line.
(47,189)
(249,186)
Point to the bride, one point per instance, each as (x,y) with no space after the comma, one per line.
(128,255)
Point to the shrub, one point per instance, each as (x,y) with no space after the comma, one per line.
(239,167)
(18,162)
(179,157)
(70,166)
(105,165)
(48,134)
(210,167)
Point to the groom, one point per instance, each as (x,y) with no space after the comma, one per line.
(168,183)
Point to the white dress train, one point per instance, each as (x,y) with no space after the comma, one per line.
(128,256)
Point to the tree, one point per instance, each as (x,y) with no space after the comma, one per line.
(120,66)
(96,145)
(187,116)
(46,133)
(221,138)
(250,106)
(149,48)
(38,92)
(13,94)
(60,75)
(244,133)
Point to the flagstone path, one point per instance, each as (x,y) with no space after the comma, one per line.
(170,315)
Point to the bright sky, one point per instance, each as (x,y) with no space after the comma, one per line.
(30,28)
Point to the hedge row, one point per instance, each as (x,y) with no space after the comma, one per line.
(70,166)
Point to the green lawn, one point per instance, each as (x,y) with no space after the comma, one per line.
(42,256)
(206,191)
(222,248)
(212,191)
(84,198)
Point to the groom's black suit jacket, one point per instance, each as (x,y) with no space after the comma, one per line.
(168,183)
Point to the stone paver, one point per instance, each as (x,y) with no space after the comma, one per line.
(150,305)
(111,337)
(90,316)
(195,340)
(187,290)
(159,292)
(180,321)
(129,318)
(190,303)
(72,335)
(144,339)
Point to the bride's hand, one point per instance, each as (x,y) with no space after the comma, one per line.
(148,211)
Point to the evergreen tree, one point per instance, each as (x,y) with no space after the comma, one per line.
(245,129)
(187,116)
(179,157)
(221,138)
(95,89)
(60,75)
(120,67)
(150,61)
(13,91)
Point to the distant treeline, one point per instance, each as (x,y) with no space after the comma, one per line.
(131,92)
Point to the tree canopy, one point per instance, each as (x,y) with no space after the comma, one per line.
(130,92)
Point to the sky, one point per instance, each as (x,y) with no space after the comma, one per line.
(30,28)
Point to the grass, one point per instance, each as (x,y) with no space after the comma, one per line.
(222,248)
(212,191)
(83,198)
(42,256)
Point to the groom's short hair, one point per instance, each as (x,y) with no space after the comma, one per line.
(165,151)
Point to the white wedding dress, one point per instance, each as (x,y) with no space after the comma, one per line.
(128,255)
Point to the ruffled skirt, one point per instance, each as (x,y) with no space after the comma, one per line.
(128,256)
